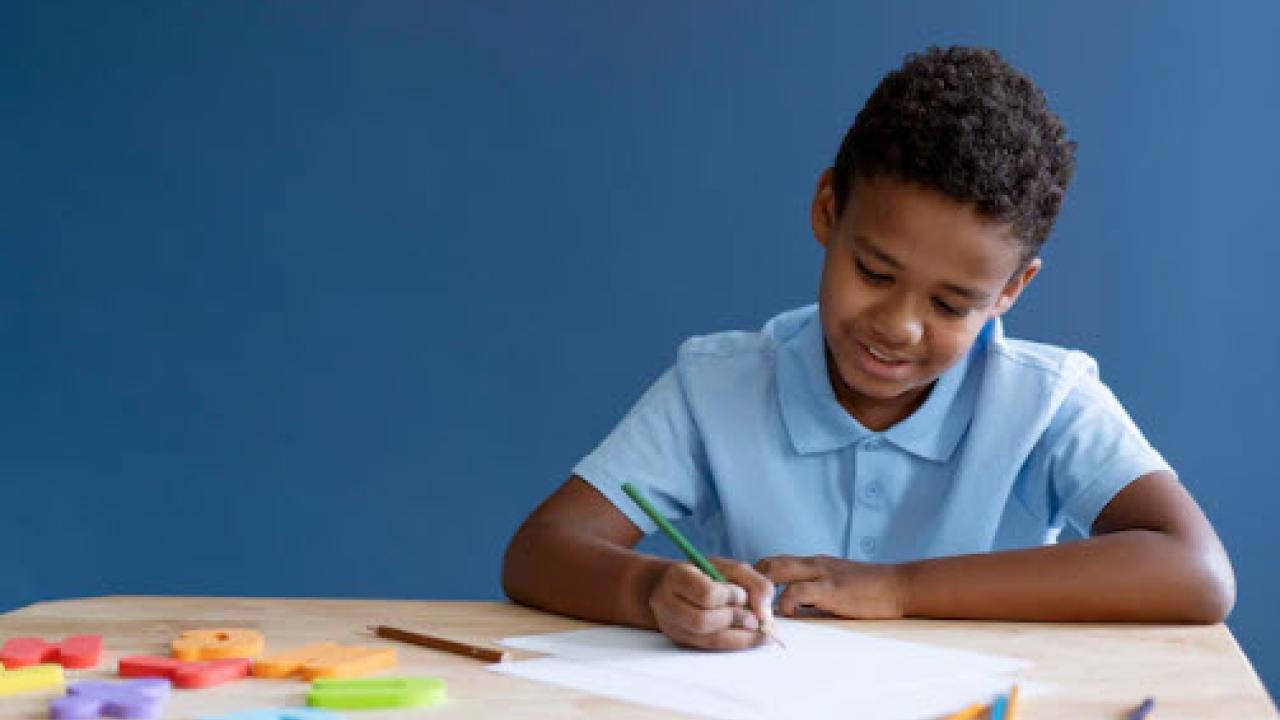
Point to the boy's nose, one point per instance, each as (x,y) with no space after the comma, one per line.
(896,326)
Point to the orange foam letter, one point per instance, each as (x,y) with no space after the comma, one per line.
(218,644)
(325,660)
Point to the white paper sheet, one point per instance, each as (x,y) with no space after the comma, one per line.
(824,672)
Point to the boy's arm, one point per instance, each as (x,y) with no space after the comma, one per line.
(572,556)
(1153,557)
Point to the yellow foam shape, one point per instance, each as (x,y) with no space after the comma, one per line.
(33,677)
(322,660)
(218,644)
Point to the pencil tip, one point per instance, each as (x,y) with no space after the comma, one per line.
(772,634)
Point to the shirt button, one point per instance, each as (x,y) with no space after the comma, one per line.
(868,545)
(873,491)
(873,444)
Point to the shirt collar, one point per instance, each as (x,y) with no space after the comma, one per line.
(817,422)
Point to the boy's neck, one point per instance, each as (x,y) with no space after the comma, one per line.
(875,414)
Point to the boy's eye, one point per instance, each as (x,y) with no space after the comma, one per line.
(872,276)
(950,309)
(880,279)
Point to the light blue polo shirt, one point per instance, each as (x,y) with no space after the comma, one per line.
(744,439)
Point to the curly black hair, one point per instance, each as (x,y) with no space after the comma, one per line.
(962,121)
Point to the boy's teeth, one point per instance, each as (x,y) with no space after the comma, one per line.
(879,356)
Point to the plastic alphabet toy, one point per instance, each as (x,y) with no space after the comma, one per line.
(27,679)
(218,644)
(376,693)
(77,652)
(92,699)
(325,660)
(183,673)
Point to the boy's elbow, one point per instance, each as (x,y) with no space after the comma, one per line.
(1222,597)
(513,564)
(1214,593)
(1213,604)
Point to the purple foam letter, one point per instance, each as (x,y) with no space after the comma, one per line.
(91,699)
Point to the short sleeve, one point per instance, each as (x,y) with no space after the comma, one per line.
(1091,451)
(657,448)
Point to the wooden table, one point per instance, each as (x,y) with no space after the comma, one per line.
(1092,671)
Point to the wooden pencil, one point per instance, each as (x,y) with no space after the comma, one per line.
(478,652)
(1011,712)
(969,713)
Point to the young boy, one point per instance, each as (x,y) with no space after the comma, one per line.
(889,452)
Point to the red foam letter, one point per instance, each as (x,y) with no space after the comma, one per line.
(76,652)
(185,673)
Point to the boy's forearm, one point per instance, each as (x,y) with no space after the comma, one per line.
(1130,575)
(558,569)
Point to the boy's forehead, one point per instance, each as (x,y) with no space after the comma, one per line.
(923,229)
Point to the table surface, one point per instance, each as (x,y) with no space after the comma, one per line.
(1083,670)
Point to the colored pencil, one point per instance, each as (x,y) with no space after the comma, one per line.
(1142,710)
(687,548)
(969,713)
(998,707)
(1011,712)
(438,643)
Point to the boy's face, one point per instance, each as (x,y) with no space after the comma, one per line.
(909,279)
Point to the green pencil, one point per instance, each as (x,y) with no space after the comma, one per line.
(688,549)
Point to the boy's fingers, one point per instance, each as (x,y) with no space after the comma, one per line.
(745,619)
(727,627)
(693,585)
(731,639)
(802,593)
(758,588)
(698,621)
(788,568)
(734,640)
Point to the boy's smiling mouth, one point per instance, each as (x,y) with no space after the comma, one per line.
(883,356)
(881,365)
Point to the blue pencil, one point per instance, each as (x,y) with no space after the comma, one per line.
(1141,711)
(998,706)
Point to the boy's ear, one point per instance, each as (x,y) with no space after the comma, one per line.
(822,216)
(1015,286)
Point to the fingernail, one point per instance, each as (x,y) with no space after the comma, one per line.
(751,623)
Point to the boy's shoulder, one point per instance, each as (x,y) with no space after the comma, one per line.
(739,345)
(1063,362)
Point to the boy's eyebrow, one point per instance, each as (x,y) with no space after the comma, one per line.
(886,258)
(882,255)
(973,295)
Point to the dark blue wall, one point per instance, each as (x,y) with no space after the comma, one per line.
(320,299)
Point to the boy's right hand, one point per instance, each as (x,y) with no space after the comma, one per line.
(698,612)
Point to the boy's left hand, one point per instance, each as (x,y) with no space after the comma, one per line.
(841,587)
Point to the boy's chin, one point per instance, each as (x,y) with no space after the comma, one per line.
(881,392)
(880,389)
